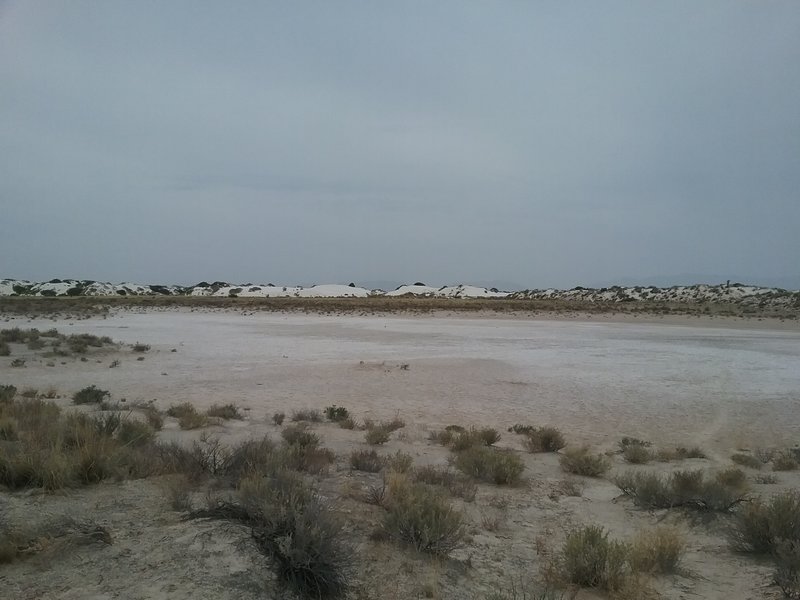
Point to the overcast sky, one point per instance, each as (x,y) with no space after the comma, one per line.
(541,143)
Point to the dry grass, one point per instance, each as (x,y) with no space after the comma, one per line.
(590,559)
(746,460)
(785,461)
(376,435)
(459,486)
(366,460)
(759,525)
(187,415)
(310,415)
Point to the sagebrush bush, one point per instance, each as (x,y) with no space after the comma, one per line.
(348,423)
(681,489)
(787,568)
(90,395)
(298,435)
(278,418)
(487,464)
(224,411)
(733,477)
(5,349)
(590,559)
(135,433)
(758,526)
(746,460)
(139,347)
(7,393)
(657,550)
(581,462)
(400,462)
(366,460)
(419,516)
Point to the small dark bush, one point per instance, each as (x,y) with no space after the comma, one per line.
(681,489)
(18,363)
(637,455)
(376,435)
(348,423)
(521,429)
(135,433)
(297,435)
(278,418)
(759,525)
(336,413)
(627,442)
(785,461)
(5,349)
(787,568)
(138,347)
(459,486)
(187,415)
(544,439)
(90,395)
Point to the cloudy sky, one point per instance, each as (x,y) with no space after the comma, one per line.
(539,143)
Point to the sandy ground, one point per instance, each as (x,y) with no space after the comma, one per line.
(722,385)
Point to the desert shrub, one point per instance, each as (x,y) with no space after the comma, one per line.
(680,489)
(758,526)
(400,462)
(393,425)
(224,411)
(628,442)
(298,435)
(152,416)
(657,550)
(521,429)
(693,452)
(132,432)
(8,429)
(732,477)
(29,393)
(15,334)
(637,454)
(292,526)
(420,516)
(580,462)
(488,436)
(787,568)
(455,429)
(187,415)
(376,435)
(544,439)
(366,460)
(459,486)
(178,491)
(766,479)
(7,393)
(302,452)
(336,413)
(444,437)
(139,347)
(310,415)
(18,363)
(5,349)
(785,461)
(486,464)
(90,395)
(746,460)
(278,418)
(251,458)
(590,559)
(35,344)
(347,423)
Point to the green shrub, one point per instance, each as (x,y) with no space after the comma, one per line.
(580,462)
(746,460)
(336,413)
(366,460)
(90,395)
(224,411)
(423,518)
(590,559)
(486,464)
(758,526)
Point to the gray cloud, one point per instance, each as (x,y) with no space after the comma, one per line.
(546,143)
